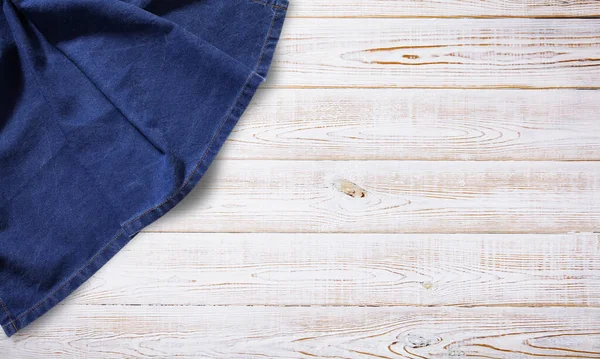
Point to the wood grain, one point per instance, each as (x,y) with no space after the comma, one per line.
(417,124)
(438,53)
(308,332)
(391,197)
(351,270)
(444,8)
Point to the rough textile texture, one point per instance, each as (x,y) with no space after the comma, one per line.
(111,111)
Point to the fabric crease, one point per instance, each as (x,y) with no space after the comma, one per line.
(111,112)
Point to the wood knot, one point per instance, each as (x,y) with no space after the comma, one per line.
(349,188)
(421,341)
(456,353)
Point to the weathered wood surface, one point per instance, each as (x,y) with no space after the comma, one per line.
(417,124)
(438,53)
(391,197)
(351,270)
(444,8)
(106,332)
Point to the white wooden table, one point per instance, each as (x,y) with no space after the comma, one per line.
(416,179)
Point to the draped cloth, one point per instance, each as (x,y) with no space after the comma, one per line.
(110,112)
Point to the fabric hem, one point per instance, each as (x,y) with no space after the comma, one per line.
(137,224)
(69,286)
(12,325)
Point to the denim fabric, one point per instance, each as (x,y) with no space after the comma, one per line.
(111,111)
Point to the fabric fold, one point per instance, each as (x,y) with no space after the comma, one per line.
(114,111)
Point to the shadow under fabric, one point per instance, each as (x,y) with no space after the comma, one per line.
(111,111)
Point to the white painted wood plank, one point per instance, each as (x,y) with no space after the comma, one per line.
(443,8)
(438,53)
(323,332)
(351,270)
(391,197)
(418,124)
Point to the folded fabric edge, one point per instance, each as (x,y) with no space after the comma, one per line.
(11,324)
